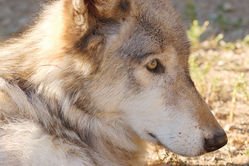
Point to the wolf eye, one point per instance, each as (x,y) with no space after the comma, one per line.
(155,66)
(152,65)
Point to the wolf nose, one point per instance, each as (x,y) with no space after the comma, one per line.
(216,142)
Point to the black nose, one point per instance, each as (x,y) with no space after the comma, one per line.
(216,142)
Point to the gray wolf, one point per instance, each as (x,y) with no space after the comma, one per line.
(92,81)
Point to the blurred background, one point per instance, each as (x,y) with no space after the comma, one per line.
(219,33)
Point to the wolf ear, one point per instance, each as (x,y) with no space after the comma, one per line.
(99,9)
(81,16)
(102,8)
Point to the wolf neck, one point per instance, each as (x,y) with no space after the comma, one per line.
(68,115)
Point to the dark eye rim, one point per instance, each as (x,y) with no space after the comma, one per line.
(159,69)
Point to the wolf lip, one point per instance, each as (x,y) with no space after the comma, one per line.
(152,135)
(156,139)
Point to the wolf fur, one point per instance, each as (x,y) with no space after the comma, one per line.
(73,89)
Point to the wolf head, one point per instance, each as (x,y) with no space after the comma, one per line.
(133,58)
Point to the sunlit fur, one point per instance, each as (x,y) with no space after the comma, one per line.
(75,90)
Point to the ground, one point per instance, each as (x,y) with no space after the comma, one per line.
(219,66)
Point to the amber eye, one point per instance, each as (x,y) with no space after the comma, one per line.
(155,66)
(152,65)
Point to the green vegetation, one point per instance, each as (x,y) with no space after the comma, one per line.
(247,152)
(196,31)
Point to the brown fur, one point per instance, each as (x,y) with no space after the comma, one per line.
(52,76)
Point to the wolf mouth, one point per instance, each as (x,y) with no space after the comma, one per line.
(158,142)
(153,136)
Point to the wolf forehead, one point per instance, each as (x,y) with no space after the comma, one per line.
(156,27)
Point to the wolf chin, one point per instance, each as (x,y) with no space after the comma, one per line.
(92,81)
